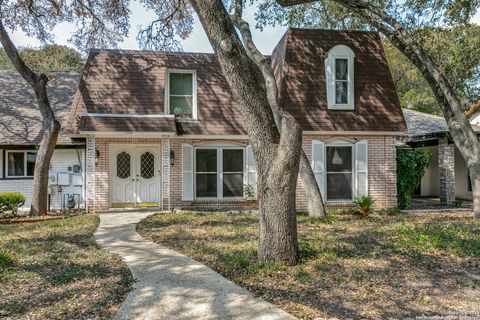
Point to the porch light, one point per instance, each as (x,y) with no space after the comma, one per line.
(172,158)
(97,155)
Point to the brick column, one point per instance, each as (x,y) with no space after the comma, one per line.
(446,171)
(165,185)
(90,174)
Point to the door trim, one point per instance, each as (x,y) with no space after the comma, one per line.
(133,149)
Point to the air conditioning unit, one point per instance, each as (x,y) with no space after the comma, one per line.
(52,179)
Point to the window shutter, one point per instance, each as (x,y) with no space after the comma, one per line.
(318,164)
(187,172)
(251,168)
(361,168)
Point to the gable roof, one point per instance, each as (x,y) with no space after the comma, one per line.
(21,122)
(133,82)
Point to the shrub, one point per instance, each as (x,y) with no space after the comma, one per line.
(364,204)
(10,202)
(411,165)
(249,191)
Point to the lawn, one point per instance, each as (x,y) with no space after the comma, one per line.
(385,266)
(55,270)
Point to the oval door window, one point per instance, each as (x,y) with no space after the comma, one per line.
(147,165)
(123,165)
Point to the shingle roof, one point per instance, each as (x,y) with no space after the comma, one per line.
(133,82)
(21,121)
(424,124)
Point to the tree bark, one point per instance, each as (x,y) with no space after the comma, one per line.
(51,127)
(459,126)
(277,154)
(316,207)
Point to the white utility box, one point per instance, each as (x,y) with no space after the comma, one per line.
(63,179)
(77,180)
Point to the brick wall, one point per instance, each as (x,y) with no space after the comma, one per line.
(381,169)
(382,166)
(61,160)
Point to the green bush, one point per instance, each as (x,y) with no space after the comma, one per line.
(364,204)
(10,202)
(411,165)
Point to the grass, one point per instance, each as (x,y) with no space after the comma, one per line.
(389,265)
(54,270)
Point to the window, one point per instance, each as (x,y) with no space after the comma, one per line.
(181,99)
(219,172)
(339,172)
(339,78)
(20,163)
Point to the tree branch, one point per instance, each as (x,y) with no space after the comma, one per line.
(14,56)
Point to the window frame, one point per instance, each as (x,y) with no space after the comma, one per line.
(25,152)
(219,172)
(340,52)
(194,91)
(353,172)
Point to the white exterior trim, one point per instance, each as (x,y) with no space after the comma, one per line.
(7,151)
(118,134)
(194,90)
(340,52)
(129,115)
(219,148)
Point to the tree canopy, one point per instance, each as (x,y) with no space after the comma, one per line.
(50,57)
(457,53)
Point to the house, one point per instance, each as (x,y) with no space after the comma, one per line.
(163,129)
(21,133)
(447,175)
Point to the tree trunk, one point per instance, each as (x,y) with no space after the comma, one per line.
(276,150)
(316,207)
(474,170)
(51,126)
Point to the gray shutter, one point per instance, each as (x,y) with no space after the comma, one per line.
(318,164)
(361,168)
(187,172)
(251,168)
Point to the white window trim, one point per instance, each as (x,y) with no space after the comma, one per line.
(339,52)
(7,152)
(219,171)
(353,172)
(194,90)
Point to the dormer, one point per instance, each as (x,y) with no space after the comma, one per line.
(339,66)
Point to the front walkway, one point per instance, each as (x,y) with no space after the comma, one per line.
(172,286)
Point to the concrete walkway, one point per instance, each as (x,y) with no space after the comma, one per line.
(169,285)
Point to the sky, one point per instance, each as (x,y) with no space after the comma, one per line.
(197,42)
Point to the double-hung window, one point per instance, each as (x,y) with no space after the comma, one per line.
(20,163)
(339,172)
(219,172)
(181,94)
(339,78)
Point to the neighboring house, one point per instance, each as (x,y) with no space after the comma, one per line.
(447,176)
(21,133)
(162,129)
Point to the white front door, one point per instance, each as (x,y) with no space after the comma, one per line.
(134,175)
(148,175)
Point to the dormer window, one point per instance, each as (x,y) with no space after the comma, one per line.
(181,94)
(339,78)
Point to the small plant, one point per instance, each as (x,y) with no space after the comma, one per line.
(10,202)
(458,202)
(249,191)
(364,204)
(6,259)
